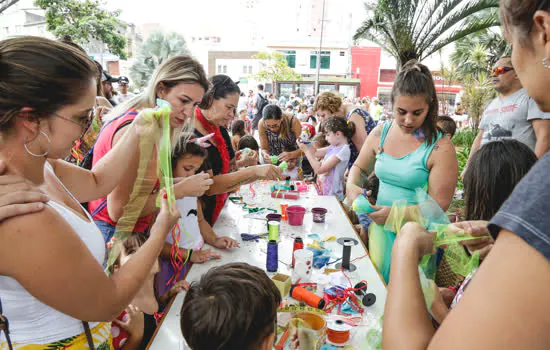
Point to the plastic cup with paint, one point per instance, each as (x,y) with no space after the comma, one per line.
(319,215)
(303,262)
(273,230)
(296,215)
(272,217)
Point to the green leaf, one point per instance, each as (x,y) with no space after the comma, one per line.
(274,68)
(83,21)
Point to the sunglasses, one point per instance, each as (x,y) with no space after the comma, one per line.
(501,70)
(84,123)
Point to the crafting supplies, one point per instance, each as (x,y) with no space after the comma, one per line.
(283,194)
(302,294)
(283,283)
(338,332)
(283,212)
(347,243)
(273,230)
(272,262)
(368,299)
(273,217)
(361,205)
(299,308)
(298,244)
(295,215)
(303,261)
(319,215)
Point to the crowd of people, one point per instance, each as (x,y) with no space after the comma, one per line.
(55,252)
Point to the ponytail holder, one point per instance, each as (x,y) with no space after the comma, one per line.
(201,141)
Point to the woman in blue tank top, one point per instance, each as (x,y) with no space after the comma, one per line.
(407,154)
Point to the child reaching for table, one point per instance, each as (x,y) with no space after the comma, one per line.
(134,327)
(331,169)
(293,170)
(192,230)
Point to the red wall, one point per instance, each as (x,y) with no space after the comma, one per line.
(367,59)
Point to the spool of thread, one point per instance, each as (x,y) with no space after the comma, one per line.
(298,244)
(347,243)
(338,332)
(272,263)
(307,297)
(273,230)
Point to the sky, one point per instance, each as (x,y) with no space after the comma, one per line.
(208,17)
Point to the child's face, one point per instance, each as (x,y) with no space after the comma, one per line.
(292,163)
(125,256)
(334,138)
(188,165)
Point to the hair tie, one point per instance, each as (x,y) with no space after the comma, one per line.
(201,141)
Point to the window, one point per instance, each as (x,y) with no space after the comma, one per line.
(245,69)
(325,59)
(219,68)
(290,57)
(224,69)
(249,69)
(342,53)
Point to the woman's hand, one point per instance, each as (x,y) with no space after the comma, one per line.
(18,196)
(380,215)
(202,256)
(475,229)
(285,156)
(166,219)
(176,288)
(193,186)
(133,323)
(225,243)
(265,156)
(249,158)
(352,191)
(414,236)
(269,172)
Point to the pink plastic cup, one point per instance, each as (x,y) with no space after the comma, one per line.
(295,215)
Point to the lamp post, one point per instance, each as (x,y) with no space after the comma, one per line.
(319,52)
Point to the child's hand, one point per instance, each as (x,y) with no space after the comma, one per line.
(303,146)
(265,156)
(193,186)
(133,323)
(352,191)
(202,256)
(176,288)
(225,243)
(167,218)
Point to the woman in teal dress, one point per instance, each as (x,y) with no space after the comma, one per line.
(407,154)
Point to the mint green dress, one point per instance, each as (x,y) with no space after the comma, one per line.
(399,180)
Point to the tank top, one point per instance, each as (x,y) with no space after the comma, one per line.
(103,145)
(370,124)
(277,144)
(400,177)
(33,322)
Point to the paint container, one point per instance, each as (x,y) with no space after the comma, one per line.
(319,215)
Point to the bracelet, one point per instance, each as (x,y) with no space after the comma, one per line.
(365,193)
(189,252)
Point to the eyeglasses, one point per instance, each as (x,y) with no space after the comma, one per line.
(501,70)
(84,124)
(272,126)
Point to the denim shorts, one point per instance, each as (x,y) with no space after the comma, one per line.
(365,221)
(107,230)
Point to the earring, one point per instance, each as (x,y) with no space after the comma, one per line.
(43,154)
(545,62)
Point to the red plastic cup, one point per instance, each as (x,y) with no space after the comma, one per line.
(295,215)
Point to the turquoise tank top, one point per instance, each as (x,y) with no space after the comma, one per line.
(400,177)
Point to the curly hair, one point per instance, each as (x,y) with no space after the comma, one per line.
(328,101)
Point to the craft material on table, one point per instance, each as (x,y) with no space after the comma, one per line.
(273,231)
(303,262)
(272,262)
(295,215)
(319,215)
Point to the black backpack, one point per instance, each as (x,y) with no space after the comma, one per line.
(260,107)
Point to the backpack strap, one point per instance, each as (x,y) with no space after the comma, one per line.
(5,326)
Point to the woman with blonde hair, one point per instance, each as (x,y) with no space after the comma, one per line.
(182,82)
(50,261)
(329,104)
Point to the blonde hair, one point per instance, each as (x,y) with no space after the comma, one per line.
(175,70)
(328,101)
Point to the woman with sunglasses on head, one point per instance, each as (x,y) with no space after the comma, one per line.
(50,261)
(277,131)
(512,114)
(516,272)
(214,113)
(182,82)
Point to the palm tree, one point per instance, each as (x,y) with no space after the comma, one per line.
(478,52)
(155,50)
(416,29)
